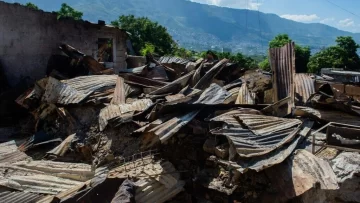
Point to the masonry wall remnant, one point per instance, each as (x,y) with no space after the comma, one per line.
(29,37)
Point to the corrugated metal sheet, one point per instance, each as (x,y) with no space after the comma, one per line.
(164,128)
(264,125)
(173,59)
(63,147)
(245,96)
(229,118)
(213,95)
(275,157)
(19,197)
(174,86)
(282,62)
(206,80)
(120,92)
(77,89)
(44,177)
(264,134)
(159,181)
(304,86)
(142,81)
(233,95)
(114,111)
(9,153)
(300,173)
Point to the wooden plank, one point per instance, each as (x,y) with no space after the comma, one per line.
(119,94)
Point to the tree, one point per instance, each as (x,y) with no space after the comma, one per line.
(31,5)
(68,12)
(143,31)
(148,49)
(343,55)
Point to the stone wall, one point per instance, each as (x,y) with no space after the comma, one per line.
(29,37)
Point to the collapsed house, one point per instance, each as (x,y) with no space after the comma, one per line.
(174,130)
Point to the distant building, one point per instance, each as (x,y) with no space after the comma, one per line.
(341,75)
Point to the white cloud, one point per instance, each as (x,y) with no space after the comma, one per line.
(301,18)
(327,20)
(346,23)
(247,4)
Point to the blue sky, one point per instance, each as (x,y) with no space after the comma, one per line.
(344,16)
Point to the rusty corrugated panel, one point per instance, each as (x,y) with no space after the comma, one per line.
(141,81)
(282,62)
(44,177)
(205,81)
(245,96)
(158,181)
(114,111)
(304,86)
(120,92)
(275,157)
(213,95)
(229,118)
(263,125)
(174,86)
(303,171)
(233,95)
(164,128)
(77,89)
(19,197)
(263,135)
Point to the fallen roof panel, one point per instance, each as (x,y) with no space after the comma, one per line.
(75,90)
(304,86)
(114,111)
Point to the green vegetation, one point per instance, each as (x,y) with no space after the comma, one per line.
(148,49)
(343,55)
(302,54)
(68,12)
(31,5)
(145,31)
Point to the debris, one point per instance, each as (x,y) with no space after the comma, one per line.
(211,134)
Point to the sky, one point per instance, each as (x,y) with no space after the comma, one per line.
(342,14)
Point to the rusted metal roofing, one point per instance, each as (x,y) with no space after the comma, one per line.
(213,95)
(163,129)
(303,171)
(120,92)
(229,118)
(206,80)
(264,125)
(233,95)
(282,62)
(141,81)
(114,111)
(275,157)
(304,86)
(245,96)
(44,177)
(158,181)
(77,89)
(264,134)
(174,86)
(19,197)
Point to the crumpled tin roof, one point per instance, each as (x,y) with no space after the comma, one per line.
(75,90)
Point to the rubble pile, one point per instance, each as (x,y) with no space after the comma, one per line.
(176,130)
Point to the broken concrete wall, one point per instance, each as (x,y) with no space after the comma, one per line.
(28,38)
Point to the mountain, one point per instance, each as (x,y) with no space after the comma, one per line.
(200,27)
